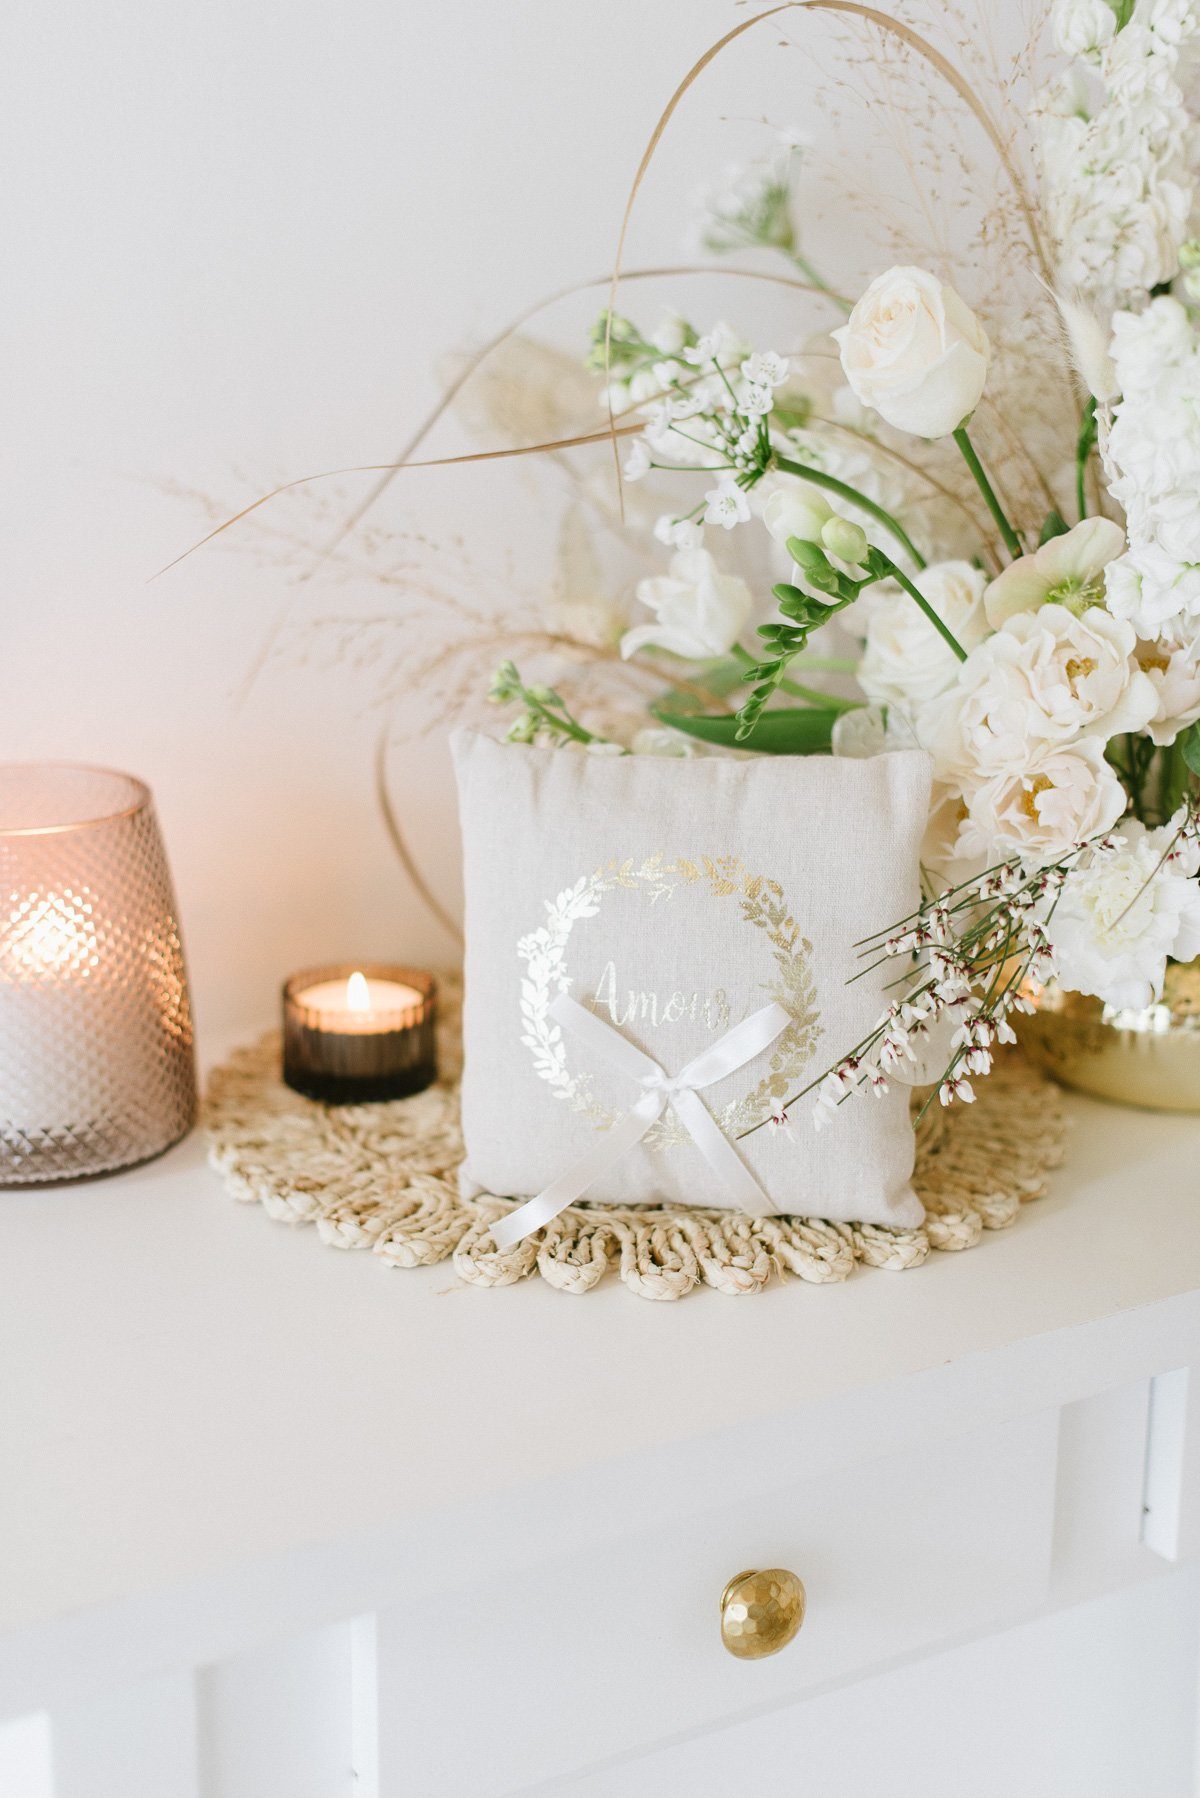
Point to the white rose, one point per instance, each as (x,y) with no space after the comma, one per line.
(906,663)
(1117,921)
(1046,677)
(701,612)
(1061,797)
(915,352)
(1083,27)
(796,509)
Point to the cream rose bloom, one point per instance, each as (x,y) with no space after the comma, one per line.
(905,662)
(915,352)
(1062,796)
(1046,678)
(701,612)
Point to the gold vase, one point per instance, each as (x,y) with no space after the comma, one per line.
(1148,1058)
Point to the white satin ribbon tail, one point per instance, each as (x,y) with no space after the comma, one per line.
(725,1056)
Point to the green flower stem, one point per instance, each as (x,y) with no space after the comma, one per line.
(815,279)
(943,630)
(808,665)
(826,664)
(833,485)
(829,702)
(1011,540)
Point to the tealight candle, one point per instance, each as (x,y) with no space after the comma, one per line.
(351,1035)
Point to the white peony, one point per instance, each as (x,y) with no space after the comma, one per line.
(701,612)
(1060,797)
(915,351)
(1118,920)
(1083,27)
(1175,676)
(951,850)
(905,662)
(1046,678)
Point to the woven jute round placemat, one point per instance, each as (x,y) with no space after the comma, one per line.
(385,1178)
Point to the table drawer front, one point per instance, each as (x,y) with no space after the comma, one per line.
(488,1688)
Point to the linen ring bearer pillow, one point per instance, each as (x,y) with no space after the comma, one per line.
(658,958)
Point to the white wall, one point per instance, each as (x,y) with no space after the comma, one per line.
(237,237)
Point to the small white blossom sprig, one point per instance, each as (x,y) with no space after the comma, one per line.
(973,956)
(544,719)
(753,208)
(712,419)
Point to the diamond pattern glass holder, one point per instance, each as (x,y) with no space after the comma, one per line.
(97,1068)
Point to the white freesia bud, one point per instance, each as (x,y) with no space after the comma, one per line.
(915,351)
(797,510)
(845,540)
(701,612)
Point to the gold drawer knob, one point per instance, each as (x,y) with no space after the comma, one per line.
(761,1612)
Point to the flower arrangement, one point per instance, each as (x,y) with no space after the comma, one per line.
(1048,657)
(984,517)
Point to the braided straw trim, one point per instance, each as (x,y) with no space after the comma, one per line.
(385,1178)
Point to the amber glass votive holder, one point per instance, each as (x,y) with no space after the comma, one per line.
(348,1048)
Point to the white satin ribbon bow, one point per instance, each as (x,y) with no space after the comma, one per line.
(659,1089)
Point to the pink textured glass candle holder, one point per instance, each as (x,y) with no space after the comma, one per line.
(96,1059)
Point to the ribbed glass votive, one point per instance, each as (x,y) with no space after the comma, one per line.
(96,1057)
(355,1034)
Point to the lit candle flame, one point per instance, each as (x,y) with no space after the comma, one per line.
(358,996)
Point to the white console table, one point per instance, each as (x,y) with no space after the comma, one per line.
(279,1522)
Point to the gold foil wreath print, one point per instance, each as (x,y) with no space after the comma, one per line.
(762,904)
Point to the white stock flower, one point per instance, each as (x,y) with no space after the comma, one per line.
(1046,678)
(915,351)
(701,612)
(1117,159)
(1175,677)
(1152,456)
(1118,920)
(1083,27)
(1060,797)
(906,663)
(1067,571)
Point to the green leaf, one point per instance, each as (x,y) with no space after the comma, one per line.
(1188,742)
(790,730)
(1123,11)
(1055,526)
